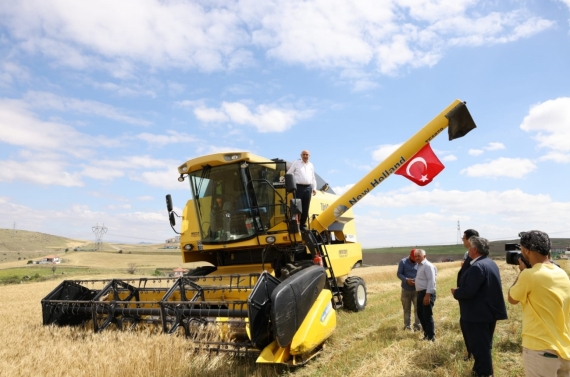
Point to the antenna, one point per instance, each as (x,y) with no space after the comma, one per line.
(99,232)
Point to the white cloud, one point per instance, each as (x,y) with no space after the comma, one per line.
(475,152)
(383,151)
(165,179)
(149,170)
(449,158)
(430,217)
(102,173)
(114,207)
(39,171)
(125,90)
(11,72)
(502,167)
(210,115)
(494,146)
(265,118)
(77,220)
(556,157)
(20,127)
(171,137)
(381,37)
(94,34)
(549,121)
(43,100)
(567,2)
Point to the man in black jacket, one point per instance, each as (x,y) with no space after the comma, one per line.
(465,264)
(481,304)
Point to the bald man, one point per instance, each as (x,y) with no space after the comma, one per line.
(304,173)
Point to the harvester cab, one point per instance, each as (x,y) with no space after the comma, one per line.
(263,285)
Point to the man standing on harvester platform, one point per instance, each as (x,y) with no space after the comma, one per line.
(304,173)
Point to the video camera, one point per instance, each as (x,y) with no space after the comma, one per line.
(514,254)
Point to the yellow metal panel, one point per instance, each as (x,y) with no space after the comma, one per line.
(343,257)
(274,354)
(317,326)
(217,159)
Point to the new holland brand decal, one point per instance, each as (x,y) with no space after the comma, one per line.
(326,312)
(377,181)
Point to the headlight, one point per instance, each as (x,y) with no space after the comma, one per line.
(188,247)
(270,239)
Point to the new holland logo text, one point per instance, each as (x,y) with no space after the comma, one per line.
(377,181)
(434,135)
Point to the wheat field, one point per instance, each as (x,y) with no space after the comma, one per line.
(369,343)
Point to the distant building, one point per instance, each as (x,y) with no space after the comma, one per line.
(179,272)
(175,239)
(50,259)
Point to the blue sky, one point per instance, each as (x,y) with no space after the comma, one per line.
(101,101)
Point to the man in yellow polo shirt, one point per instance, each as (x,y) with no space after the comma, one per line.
(544,293)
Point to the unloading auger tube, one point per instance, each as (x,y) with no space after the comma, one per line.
(246,302)
(455,117)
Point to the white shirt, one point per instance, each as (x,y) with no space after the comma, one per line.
(304,173)
(425,278)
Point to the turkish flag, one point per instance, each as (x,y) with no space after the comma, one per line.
(422,167)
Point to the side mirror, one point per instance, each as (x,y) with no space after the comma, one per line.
(169,203)
(290,184)
(171,218)
(296,207)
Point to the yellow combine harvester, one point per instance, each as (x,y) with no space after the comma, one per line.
(266,286)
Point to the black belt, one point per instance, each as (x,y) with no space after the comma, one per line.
(422,291)
(298,184)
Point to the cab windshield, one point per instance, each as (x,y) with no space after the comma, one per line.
(238,201)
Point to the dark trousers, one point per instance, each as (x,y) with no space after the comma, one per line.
(463,325)
(305,193)
(425,314)
(479,336)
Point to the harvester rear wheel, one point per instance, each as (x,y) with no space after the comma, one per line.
(354,294)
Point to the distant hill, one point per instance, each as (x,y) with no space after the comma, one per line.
(22,244)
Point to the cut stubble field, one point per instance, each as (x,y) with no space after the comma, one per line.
(369,343)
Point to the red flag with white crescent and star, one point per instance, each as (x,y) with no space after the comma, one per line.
(422,167)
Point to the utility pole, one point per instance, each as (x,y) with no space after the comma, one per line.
(458,232)
(99,232)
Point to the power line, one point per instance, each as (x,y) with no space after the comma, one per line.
(137,238)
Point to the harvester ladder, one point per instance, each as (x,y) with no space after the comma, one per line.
(316,244)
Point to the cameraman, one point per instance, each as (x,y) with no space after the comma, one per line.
(544,292)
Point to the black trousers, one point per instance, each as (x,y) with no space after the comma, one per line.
(425,314)
(462,325)
(305,193)
(479,336)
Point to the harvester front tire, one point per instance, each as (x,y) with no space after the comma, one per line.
(354,294)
